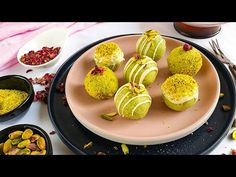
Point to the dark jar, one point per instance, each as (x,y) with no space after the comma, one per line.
(197,31)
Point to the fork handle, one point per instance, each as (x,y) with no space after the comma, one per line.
(232,68)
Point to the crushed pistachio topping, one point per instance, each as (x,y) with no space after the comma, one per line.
(107,50)
(151,34)
(179,86)
(11,99)
(135,88)
(141,59)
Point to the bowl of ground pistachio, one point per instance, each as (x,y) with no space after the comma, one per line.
(16,96)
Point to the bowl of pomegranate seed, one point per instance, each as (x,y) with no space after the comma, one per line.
(44,50)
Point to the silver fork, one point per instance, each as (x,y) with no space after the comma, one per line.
(221,56)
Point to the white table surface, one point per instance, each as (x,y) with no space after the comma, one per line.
(38,113)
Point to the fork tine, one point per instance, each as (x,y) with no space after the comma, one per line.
(220,51)
(216,48)
(213,47)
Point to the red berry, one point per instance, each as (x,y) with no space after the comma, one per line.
(187,47)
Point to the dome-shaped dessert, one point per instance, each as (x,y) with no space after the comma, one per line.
(108,54)
(140,69)
(184,60)
(101,82)
(151,44)
(180,92)
(132,101)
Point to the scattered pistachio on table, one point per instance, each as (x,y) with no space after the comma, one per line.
(125,149)
(88,145)
(233,135)
(101,153)
(221,95)
(226,107)
(1,148)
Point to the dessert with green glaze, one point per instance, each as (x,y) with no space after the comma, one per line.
(180,92)
(140,69)
(101,83)
(109,54)
(184,60)
(132,101)
(151,44)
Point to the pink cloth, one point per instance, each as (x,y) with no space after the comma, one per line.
(15,35)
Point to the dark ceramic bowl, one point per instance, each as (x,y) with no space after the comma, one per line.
(19,83)
(37,130)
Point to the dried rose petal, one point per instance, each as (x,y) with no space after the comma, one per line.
(52,132)
(97,70)
(29,70)
(42,56)
(210,129)
(41,96)
(61,87)
(31,80)
(64,101)
(46,81)
(233,152)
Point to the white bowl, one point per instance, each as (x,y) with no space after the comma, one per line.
(55,37)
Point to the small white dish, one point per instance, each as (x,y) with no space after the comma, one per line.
(54,37)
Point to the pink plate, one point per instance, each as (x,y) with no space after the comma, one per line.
(161,124)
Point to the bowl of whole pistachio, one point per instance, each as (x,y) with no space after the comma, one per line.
(25,139)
